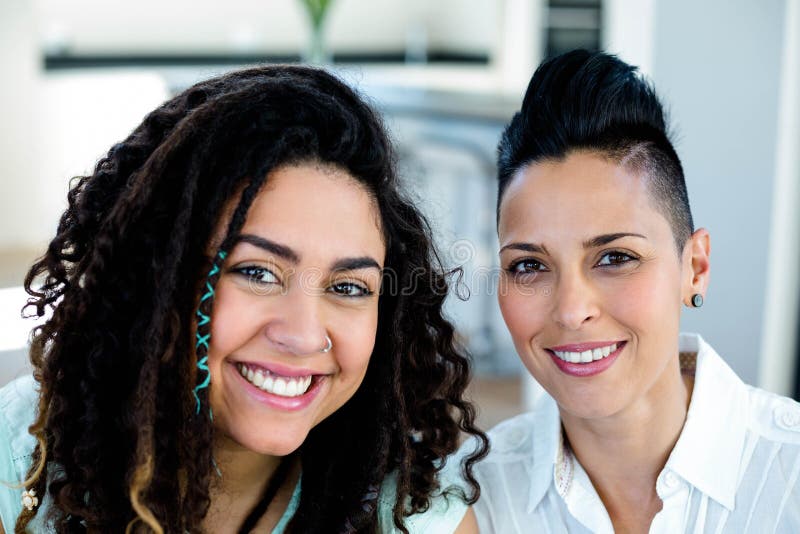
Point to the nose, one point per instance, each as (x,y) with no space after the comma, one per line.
(575,301)
(298,327)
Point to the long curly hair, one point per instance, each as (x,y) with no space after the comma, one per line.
(120,444)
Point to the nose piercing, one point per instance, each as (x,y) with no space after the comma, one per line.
(328,345)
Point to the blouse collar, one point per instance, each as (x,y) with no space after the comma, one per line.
(708,449)
(548,449)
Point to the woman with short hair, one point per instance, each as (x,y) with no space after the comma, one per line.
(641,429)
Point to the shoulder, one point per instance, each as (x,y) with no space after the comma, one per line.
(719,389)
(447,505)
(770,460)
(18,400)
(773,417)
(511,446)
(519,467)
(513,437)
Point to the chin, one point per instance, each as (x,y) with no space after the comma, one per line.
(583,412)
(588,407)
(280,445)
(271,445)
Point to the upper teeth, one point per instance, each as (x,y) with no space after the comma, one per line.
(285,386)
(587,355)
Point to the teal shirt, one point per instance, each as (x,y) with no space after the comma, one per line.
(18,400)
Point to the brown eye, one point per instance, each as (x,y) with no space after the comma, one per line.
(615,258)
(526,266)
(257,275)
(350,289)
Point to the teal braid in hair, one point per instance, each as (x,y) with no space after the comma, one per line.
(205,336)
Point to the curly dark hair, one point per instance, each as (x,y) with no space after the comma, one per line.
(119,442)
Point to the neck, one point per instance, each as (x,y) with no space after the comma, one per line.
(243,471)
(245,476)
(624,453)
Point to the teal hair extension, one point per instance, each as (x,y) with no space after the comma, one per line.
(203,339)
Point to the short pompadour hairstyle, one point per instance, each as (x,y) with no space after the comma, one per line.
(594,101)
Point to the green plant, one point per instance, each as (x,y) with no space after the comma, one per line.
(317,10)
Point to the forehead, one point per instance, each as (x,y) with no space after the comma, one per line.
(317,210)
(585,194)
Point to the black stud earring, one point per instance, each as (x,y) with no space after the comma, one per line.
(697,300)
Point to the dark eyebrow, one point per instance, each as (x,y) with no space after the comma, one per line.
(598,241)
(353,264)
(270,246)
(344,264)
(605,239)
(526,247)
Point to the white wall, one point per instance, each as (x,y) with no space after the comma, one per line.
(779,337)
(520,43)
(277,26)
(717,65)
(629,30)
(19,112)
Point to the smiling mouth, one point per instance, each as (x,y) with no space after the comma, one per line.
(282,386)
(588,355)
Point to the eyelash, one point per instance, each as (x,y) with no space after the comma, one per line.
(362,291)
(628,258)
(342,289)
(515,266)
(251,272)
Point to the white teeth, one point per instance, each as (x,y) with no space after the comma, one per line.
(587,355)
(279,387)
(283,386)
(258,379)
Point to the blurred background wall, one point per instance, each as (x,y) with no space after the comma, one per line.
(79,75)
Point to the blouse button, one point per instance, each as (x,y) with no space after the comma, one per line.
(788,418)
(671,480)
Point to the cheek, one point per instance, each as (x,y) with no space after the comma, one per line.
(524,314)
(229,327)
(646,300)
(355,340)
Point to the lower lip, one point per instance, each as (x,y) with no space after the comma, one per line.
(589,368)
(289,404)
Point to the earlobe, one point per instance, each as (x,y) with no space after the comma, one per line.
(697,268)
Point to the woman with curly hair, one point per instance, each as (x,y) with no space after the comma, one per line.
(246,332)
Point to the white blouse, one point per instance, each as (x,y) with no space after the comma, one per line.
(734,468)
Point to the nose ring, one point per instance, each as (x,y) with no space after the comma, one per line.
(328,345)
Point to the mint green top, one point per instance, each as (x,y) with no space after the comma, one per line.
(18,400)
